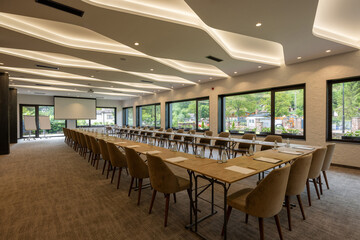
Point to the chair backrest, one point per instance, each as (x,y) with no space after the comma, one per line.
(117,158)
(189,138)
(267,198)
(247,136)
(151,129)
(206,140)
(159,134)
(82,140)
(137,167)
(94,145)
(168,135)
(178,137)
(328,157)
(161,177)
(317,162)
(222,142)
(88,142)
(271,138)
(298,174)
(104,150)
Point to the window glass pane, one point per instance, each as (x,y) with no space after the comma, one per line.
(56,125)
(183,114)
(248,113)
(346,111)
(82,123)
(130,116)
(28,111)
(147,115)
(289,112)
(203,115)
(158,116)
(104,116)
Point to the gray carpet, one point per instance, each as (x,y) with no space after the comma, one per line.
(47,191)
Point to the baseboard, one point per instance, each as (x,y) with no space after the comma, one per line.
(344,166)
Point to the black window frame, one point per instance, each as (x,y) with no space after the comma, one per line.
(168,112)
(125,116)
(221,107)
(139,115)
(89,125)
(329,110)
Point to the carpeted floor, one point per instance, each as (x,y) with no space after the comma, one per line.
(47,191)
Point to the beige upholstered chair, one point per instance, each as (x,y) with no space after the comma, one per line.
(104,153)
(165,181)
(177,138)
(271,138)
(204,142)
(157,135)
(219,144)
(296,183)
(314,172)
(117,159)
(137,168)
(244,147)
(88,144)
(164,139)
(263,201)
(96,152)
(327,162)
(188,140)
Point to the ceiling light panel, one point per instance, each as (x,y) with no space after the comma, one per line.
(238,46)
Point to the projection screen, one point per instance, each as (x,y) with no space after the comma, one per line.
(67,108)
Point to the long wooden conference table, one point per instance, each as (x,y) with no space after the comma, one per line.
(224,174)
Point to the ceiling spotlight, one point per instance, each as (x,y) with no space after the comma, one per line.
(210,78)
(235,72)
(298,57)
(258,24)
(183,84)
(111,86)
(199,80)
(1,63)
(259,66)
(328,51)
(136,44)
(92,76)
(172,86)
(151,69)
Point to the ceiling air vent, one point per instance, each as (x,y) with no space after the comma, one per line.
(61,7)
(43,85)
(116,92)
(147,81)
(214,58)
(39,93)
(47,67)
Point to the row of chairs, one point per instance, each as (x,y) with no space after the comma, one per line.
(266,200)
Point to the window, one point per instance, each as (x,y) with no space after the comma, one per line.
(148,115)
(128,116)
(343,110)
(104,116)
(190,114)
(273,111)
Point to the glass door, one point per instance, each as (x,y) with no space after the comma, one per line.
(56,125)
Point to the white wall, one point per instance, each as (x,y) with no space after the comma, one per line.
(313,73)
(49,100)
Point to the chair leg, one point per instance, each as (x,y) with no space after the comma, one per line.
(131,184)
(287,203)
(316,188)
(120,169)
(308,191)
(166,208)
(98,160)
(210,155)
(246,218)
(90,153)
(139,195)
(112,178)
(261,228)
(174,197)
(227,219)
(108,170)
(104,167)
(301,206)
(326,181)
(320,185)
(152,200)
(278,226)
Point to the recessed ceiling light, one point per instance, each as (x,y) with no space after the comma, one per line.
(298,57)
(258,24)
(210,78)
(259,66)
(111,86)
(183,84)
(172,86)
(235,72)
(136,44)
(328,51)
(1,63)
(92,76)
(199,80)
(151,69)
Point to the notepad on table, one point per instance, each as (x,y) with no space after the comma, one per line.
(176,159)
(269,160)
(133,146)
(153,152)
(240,169)
(304,147)
(290,152)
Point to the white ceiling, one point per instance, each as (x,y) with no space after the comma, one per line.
(98,51)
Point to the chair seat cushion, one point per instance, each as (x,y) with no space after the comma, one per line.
(238,199)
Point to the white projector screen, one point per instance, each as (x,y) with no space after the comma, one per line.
(67,108)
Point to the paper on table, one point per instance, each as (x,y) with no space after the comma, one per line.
(290,152)
(269,160)
(176,159)
(240,169)
(121,142)
(133,146)
(153,152)
(304,147)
